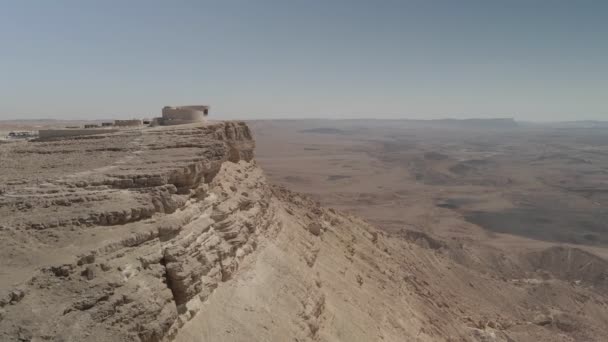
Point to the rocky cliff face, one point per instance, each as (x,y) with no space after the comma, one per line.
(129,250)
(173,234)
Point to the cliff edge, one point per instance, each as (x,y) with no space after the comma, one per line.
(173,234)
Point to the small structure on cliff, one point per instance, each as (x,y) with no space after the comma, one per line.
(170,116)
(22,135)
(183,115)
(128,123)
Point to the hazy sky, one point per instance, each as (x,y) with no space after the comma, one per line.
(531,59)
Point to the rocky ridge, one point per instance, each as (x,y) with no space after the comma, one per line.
(173,234)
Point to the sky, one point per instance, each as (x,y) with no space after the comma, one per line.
(531,60)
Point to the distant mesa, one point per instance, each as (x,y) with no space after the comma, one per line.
(358,124)
(481,123)
(323,130)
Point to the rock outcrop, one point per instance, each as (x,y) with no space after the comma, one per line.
(128,251)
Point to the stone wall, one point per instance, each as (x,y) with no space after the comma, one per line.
(184,115)
(59,133)
(127,123)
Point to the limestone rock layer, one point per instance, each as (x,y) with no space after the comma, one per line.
(128,250)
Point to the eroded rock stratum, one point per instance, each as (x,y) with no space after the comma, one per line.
(173,234)
(129,249)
